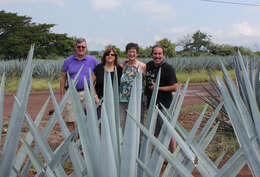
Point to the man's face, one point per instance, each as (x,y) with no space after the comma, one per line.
(132,54)
(80,49)
(158,55)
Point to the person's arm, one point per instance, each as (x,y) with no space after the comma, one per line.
(125,61)
(144,69)
(172,82)
(170,88)
(63,81)
(94,83)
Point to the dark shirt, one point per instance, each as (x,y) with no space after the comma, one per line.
(99,73)
(168,77)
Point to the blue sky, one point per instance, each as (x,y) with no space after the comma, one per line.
(118,22)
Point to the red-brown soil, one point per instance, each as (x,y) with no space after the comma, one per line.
(37,99)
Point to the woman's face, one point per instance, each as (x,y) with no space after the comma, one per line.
(110,57)
(132,54)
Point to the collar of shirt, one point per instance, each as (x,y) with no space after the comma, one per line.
(75,57)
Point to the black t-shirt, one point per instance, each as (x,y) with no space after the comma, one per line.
(99,73)
(168,77)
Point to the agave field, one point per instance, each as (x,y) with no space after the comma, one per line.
(52,68)
(97,148)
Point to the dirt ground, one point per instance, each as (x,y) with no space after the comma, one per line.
(37,99)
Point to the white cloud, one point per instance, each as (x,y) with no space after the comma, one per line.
(105,4)
(156,9)
(99,43)
(242,34)
(157,38)
(58,2)
(245,29)
(236,34)
(177,30)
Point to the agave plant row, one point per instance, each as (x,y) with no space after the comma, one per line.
(51,68)
(100,149)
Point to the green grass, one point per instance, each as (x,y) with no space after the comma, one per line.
(42,84)
(200,76)
(37,84)
(222,141)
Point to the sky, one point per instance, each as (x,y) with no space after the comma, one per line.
(117,22)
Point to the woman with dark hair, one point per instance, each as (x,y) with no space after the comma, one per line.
(108,63)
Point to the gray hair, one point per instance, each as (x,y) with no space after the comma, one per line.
(80,40)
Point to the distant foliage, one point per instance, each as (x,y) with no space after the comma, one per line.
(17,33)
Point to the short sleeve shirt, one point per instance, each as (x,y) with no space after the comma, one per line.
(168,77)
(99,73)
(72,65)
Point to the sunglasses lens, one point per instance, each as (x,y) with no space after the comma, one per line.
(110,54)
(83,47)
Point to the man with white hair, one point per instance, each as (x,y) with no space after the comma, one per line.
(71,66)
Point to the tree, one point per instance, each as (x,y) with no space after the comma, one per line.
(200,42)
(196,44)
(145,53)
(169,48)
(18,33)
(184,42)
(222,50)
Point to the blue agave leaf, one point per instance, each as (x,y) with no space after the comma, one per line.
(2,92)
(16,120)
(21,155)
(109,164)
(108,102)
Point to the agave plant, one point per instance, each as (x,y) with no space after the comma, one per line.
(100,148)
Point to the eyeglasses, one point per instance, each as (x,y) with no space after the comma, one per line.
(110,54)
(83,47)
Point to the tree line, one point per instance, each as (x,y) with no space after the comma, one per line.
(17,33)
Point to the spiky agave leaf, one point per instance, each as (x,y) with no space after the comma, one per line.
(117,113)
(244,115)
(73,150)
(47,129)
(156,161)
(16,120)
(150,124)
(2,92)
(83,129)
(21,155)
(110,111)
(109,166)
(132,132)
(257,85)
(51,124)
(250,146)
(233,166)
(163,150)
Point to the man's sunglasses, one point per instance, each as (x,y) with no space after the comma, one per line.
(110,54)
(83,47)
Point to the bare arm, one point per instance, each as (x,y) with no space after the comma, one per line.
(63,81)
(94,82)
(169,88)
(144,69)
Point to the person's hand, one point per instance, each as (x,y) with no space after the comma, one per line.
(151,87)
(97,99)
(125,61)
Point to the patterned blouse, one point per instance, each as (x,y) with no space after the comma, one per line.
(126,82)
